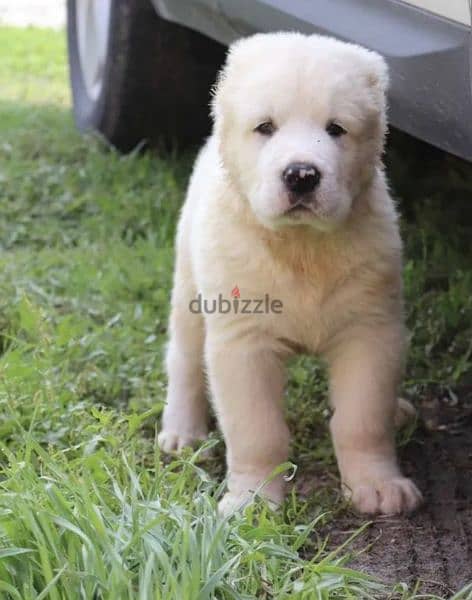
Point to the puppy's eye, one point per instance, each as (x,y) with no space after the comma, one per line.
(265,128)
(335,130)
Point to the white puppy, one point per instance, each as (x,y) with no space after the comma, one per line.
(288,205)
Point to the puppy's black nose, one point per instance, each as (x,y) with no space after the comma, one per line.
(301,178)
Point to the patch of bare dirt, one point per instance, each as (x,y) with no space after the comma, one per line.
(433,546)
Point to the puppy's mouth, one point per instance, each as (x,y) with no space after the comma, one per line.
(300,210)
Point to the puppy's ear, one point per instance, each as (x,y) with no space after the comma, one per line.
(233,58)
(377,72)
(377,81)
(216,92)
(219,87)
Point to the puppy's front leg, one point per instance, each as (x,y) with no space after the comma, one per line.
(184,420)
(247,380)
(364,372)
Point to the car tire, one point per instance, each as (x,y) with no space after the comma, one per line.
(137,78)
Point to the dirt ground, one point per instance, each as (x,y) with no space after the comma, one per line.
(433,546)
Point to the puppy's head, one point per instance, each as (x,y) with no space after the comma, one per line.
(300,122)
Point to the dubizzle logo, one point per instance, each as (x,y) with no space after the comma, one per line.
(235,293)
(235,304)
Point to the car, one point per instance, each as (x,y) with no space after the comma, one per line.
(141,72)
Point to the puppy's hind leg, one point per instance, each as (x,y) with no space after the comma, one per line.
(184,421)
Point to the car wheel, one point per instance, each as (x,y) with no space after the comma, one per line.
(136,77)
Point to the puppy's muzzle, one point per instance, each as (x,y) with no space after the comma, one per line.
(300,179)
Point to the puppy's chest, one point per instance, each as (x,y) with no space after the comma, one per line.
(300,306)
(303,292)
(307,308)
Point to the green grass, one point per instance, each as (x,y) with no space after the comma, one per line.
(88,507)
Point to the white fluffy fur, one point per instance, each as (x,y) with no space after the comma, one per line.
(337,270)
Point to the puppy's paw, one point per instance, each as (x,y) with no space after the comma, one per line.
(404,413)
(389,497)
(244,488)
(174,441)
(231,503)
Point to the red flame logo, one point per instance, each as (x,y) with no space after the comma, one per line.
(235,293)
